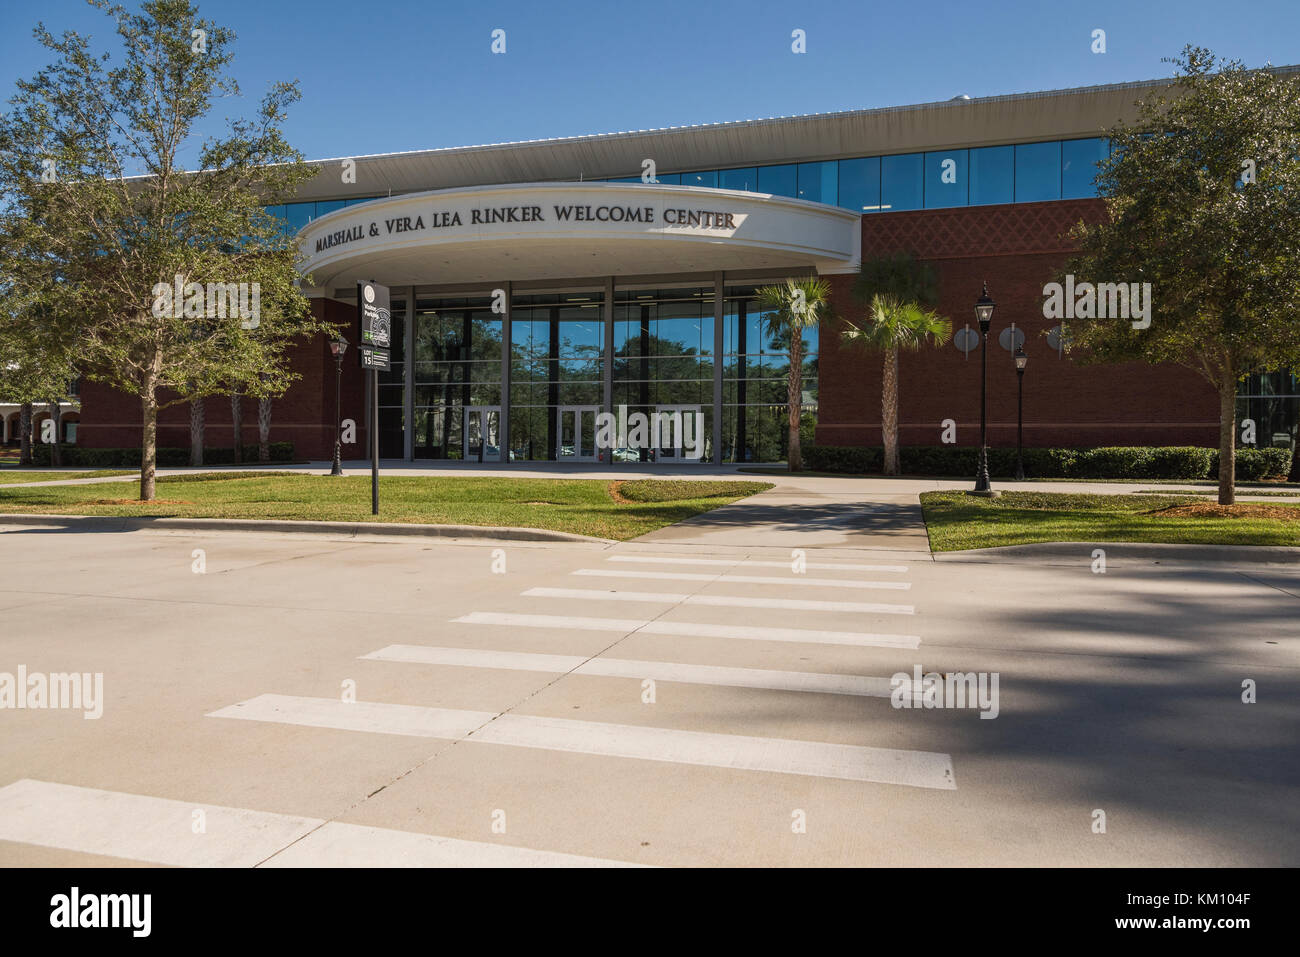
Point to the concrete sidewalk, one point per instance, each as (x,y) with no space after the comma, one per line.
(853,485)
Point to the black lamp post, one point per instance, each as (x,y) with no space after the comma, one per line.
(1022,360)
(984,314)
(337,348)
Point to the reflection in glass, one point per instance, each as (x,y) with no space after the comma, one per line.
(946,179)
(1079,159)
(1038,172)
(992,175)
(859,181)
(900,182)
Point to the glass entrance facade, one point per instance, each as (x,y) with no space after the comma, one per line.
(567,356)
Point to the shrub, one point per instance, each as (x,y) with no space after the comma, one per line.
(1130,462)
(1255,464)
(842,458)
(77,455)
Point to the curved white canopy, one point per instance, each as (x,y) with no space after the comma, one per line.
(570,230)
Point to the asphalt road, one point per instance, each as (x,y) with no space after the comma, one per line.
(687,699)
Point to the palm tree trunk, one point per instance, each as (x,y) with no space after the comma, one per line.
(198,423)
(264,429)
(1227,436)
(25,434)
(56,416)
(889,412)
(237,423)
(794,394)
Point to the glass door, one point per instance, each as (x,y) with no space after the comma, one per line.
(481,433)
(677,433)
(575,433)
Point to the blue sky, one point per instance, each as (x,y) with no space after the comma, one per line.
(387,75)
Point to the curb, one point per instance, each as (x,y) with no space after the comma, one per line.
(1081,552)
(106,523)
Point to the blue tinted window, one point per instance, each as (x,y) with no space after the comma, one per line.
(298,215)
(1079,159)
(705,178)
(860,184)
(817,182)
(360,199)
(669,179)
(900,182)
(1038,172)
(746,179)
(779,180)
(328,207)
(946,179)
(276,211)
(992,175)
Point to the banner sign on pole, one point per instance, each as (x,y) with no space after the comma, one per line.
(376,339)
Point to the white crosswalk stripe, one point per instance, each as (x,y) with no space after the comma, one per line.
(754,563)
(921,769)
(722,601)
(863,685)
(743,579)
(161,831)
(690,629)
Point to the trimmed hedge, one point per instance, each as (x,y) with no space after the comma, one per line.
(1162,462)
(77,455)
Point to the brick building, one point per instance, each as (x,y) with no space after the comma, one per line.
(535,285)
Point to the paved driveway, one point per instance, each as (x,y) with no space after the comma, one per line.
(686,699)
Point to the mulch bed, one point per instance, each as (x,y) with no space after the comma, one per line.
(1243,510)
(136,501)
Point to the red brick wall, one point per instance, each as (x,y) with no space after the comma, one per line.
(304,415)
(1015,248)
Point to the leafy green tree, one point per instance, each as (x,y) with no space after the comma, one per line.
(789,309)
(1203,202)
(898,292)
(35,369)
(105,218)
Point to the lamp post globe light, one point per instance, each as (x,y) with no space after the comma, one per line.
(337,348)
(1022,360)
(984,315)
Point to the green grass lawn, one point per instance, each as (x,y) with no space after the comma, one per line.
(583,506)
(959,521)
(10,477)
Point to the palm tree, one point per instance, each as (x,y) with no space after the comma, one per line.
(895,324)
(792,307)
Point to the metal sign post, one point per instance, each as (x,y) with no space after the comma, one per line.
(376,337)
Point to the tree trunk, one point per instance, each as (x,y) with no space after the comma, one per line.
(237,423)
(25,434)
(198,424)
(794,393)
(1227,437)
(149,437)
(889,412)
(56,416)
(264,429)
